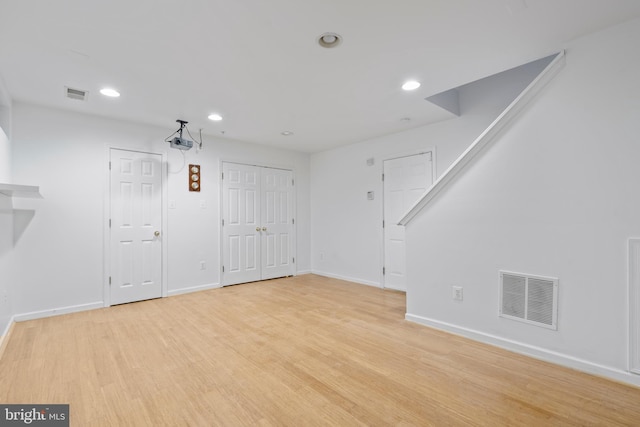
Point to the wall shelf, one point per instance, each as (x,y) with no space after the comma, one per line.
(14,190)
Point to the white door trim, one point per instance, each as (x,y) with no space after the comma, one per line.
(294,239)
(633,251)
(106,231)
(398,155)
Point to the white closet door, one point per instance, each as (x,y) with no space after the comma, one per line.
(257,223)
(405,180)
(276,205)
(242,228)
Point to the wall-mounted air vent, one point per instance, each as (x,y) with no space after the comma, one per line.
(530,299)
(80,95)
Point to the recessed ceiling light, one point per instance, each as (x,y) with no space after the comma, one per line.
(112,93)
(286,133)
(329,40)
(411,85)
(215,117)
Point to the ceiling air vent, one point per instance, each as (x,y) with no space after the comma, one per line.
(529,299)
(80,95)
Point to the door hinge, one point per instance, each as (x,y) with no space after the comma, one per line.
(293,182)
(384,271)
(109,222)
(109,165)
(383,223)
(223,268)
(109,280)
(223,222)
(294,260)
(382,177)
(222,176)
(293,220)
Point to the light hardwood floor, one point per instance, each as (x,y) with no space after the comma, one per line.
(298,351)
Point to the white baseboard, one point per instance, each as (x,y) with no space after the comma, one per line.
(6,334)
(348,279)
(58,311)
(95,305)
(393,288)
(8,327)
(194,289)
(531,351)
(301,272)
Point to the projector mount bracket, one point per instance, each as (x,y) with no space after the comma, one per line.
(183,124)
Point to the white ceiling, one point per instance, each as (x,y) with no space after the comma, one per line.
(257,63)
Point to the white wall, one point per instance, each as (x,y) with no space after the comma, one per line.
(557,194)
(6,211)
(346,233)
(5,158)
(6,258)
(5,134)
(59,253)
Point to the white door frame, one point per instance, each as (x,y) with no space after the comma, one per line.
(398,155)
(106,287)
(294,240)
(633,254)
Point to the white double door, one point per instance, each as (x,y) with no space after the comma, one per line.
(257,223)
(405,180)
(135,224)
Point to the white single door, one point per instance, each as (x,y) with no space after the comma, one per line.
(405,180)
(276,223)
(135,224)
(257,223)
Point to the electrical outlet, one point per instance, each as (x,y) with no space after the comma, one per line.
(457,293)
(203,265)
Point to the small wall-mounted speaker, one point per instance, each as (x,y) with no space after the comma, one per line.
(194,178)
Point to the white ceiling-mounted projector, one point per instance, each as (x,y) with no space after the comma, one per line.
(179,142)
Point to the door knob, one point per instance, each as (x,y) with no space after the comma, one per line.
(157,233)
(264,228)
(257,228)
